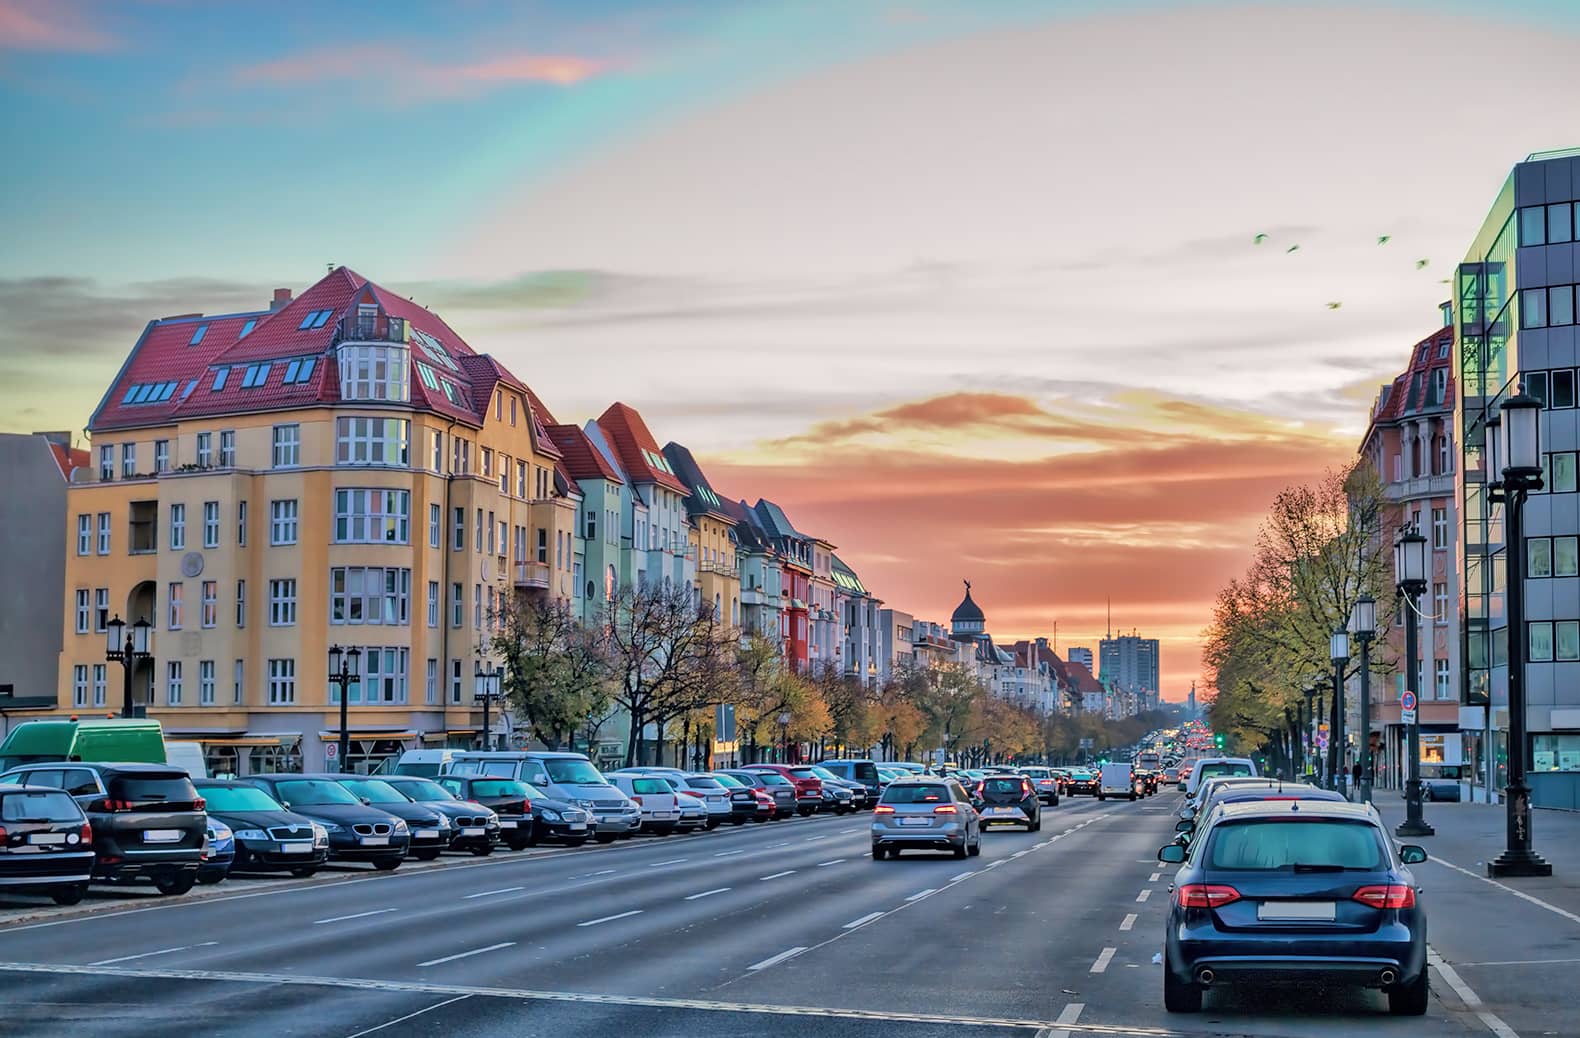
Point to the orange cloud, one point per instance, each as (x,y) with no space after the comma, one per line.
(50,25)
(395,70)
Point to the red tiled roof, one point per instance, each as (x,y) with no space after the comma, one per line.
(1082,678)
(582,460)
(1424,360)
(69,458)
(629,436)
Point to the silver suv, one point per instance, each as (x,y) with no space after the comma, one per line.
(925,813)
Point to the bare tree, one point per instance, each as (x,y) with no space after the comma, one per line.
(557,671)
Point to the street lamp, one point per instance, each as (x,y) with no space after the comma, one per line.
(1339,653)
(784,737)
(128,653)
(1409,567)
(1308,738)
(487,692)
(1363,624)
(1520,454)
(344,667)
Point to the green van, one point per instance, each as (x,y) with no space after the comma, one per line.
(105,739)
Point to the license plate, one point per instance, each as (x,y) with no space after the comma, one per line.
(1003,811)
(577,827)
(506,825)
(161,835)
(47,838)
(1322,911)
(296,848)
(715,800)
(915,821)
(375,841)
(427,834)
(474,831)
(661,815)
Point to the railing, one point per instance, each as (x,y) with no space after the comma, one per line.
(354,328)
(532,574)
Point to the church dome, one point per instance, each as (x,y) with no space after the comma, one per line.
(968,615)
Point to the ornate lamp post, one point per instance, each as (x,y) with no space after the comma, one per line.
(1308,738)
(1409,563)
(1520,454)
(344,667)
(487,692)
(128,653)
(1339,653)
(1363,624)
(784,737)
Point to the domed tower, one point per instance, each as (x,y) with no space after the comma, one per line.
(967,623)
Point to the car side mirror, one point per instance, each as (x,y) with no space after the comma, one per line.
(365,801)
(1184,825)
(540,781)
(1410,854)
(1173,854)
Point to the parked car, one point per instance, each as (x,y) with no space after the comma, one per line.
(47,846)
(808,787)
(267,836)
(570,777)
(859,770)
(925,813)
(357,831)
(218,855)
(473,827)
(1303,892)
(705,791)
(781,789)
(148,821)
(1045,782)
(1083,780)
(188,756)
(430,830)
(1008,798)
(857,790)
(655,799)
(557,820)
(509,801)
(426,763)
(744,804)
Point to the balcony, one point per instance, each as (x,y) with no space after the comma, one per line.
(1419,487)
(379,328)
(532,575)
(719,568)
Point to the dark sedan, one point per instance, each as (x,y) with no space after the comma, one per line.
(510,801)
(1296,892)
(430,829)
(771,783)
(743,799)
(46,845)
(473,827)
(268,837)
(1084,781)
(357,831)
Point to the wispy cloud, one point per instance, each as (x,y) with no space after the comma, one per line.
(50,26)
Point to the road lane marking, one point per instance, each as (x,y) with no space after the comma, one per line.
(963,875)
(826,864)
(672,861)
(491,893)
(1522,895)
(781,843)
(922,893)
(408,1016)
(863,921)
(468,954)
(1128,922)
(359,915)
(1018,854)
(1469,997)
(788,953)
(605,872)
(777,875)
(847,832)
(1143,895)
(146,955)
(1521,962)
(611,918)
(706,893)
(1067,1019)
(814,839)
(726,854)
(1154,877)
(1101,965)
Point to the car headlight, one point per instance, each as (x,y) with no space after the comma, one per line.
(327,827)
(400,826)
(550,816)
(586,805)
(444,823)
(219,831)
(251,834)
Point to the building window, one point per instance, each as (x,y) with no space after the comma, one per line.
(176,591)
(485,462)
(161,456)
(1561,305)
(84,534)
(374,373)
(211,524)
(458,531)
(99,684)
(282,603)
(512,410)
(205,450)
(178,527)
(477,607)
(238,682)
(504,475)
(227,449)
(434,519)
(241,604)
(241,524)
(438,451)
(101,609)
(205,682)
(371,441)
(457,605)
(104,533)
(1562,388)
(282,521)
(592,524)
(372,516)
(79,685)
(1560,223)
(433,603)
(1566,556)
(128,460)
(282,682)
(521,480)
(210,600)
(107,463)
(455,681)
(84,614)
(1541,641)
(287,446)
(433,682)
(1440,528)
(383,677)
(1566,640)
(369,595)
(1560,475)
(1440,603)
(543,545)
(1533,225)
(173,683)
(493,542)
(477,532)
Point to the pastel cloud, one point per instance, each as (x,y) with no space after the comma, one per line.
(49,25)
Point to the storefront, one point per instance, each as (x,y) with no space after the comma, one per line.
(238,754)
(371,750)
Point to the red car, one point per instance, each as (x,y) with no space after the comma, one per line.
(808,787)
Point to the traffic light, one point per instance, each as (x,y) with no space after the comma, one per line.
(1218,740)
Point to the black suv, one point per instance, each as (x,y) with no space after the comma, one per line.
(45,843)
(357,832)
(1008,798)
(147,819)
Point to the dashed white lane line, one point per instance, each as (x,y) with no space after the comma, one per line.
(149,955)
(604,872)
(468,954)
(776,875)
(1143,895)
(491,893)
(922,893)
(1101,965)
(961,876)
(863,921)
(611,918)
(672,861)
(1067,1019)
(1154,877)
(1128,923)
(788,953)
(706,893)
(847,832)
(726,854)
(826,864)
(1469,997)
(344,918)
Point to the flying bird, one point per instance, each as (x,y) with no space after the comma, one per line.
(1384,239)
(1292,248)
(1259,239)
(1420,264)
(1334,306)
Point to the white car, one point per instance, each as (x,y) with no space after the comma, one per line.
(1210,767)
(707,790)
(658,802)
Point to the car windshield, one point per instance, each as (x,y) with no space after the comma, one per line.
(39,807)
(574,771)
(314,793)
(702,782)
(1303,846)
(920,793)
(238,798)
(376,791)
(729,782)
(1207,771)
(499,788)
(804,773)
(424,791)
(822,773)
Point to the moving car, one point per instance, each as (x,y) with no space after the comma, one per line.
(808,787)
(357,831)
(925,813)
(430,829)
(1210,767)
(46,844)
(268,837)
(1083,780)
(1117,780)
(219,853)
(148,821)
(1045,782)
(473,827)
(1300,892)
(654,798)
(1008,798)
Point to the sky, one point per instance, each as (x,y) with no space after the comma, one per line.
(1051,296)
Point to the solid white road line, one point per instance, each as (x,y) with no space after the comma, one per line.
(468,954)
(826,864)
(1067,1019)
(1469,997)
(1522,895)
(922,893)
(491,893)
(146,955)
(672,861)
(1101,965)
(611,918)
(963,875)
(863,921)
(706,893)
(1018,854)
(359,915)
(1128,922)
(777,875)
(1143,895)
(788,953)
(408,1016)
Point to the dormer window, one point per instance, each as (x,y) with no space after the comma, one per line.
(374,373)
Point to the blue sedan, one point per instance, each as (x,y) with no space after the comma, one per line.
(221,853)
(1297,891)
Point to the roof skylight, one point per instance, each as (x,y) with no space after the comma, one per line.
(257,375)
(197,336)
(252,322)
(219,380)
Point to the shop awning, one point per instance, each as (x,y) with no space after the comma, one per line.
(242,740)
(369,733)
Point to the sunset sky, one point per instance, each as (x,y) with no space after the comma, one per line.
(973,290)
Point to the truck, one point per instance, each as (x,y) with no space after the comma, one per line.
(1149,760)
(120,740)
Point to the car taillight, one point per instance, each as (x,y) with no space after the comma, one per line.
(199,804)
(1025,787)
(526,807)
(883,809)
(115,805)
(636,799)
(945,809)
(1206,895)
(1392,895)
(87,833)
(2,834)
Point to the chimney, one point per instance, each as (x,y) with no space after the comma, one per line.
(282,299)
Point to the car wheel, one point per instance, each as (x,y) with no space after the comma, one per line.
(178,883)
(805,812)
(305,871)
(976,848)
(576,842)
(1132,798)
(1055,802)
(208,879)
(518,844)
(483,850)
(879,853)
(961,851)
(600,837)
(69,895)
(1410,999)
(712,824)
(1035,827)
(1101,797)
(389,864)
(1177,997)
(427,853)
(532,839)
(760,818)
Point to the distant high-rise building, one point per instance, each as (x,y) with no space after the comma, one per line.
(1129,663)
(1081,655)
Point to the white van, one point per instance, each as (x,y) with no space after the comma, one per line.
(425,763)
(1117,780)
(188,756)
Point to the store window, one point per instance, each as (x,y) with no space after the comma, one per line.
(1557,752)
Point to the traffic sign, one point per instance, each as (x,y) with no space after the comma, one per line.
(1407,707)
(331,751)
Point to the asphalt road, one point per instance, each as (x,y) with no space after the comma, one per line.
(782,929)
